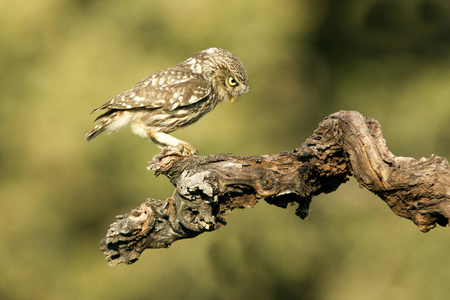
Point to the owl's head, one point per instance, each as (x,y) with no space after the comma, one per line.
(226,73)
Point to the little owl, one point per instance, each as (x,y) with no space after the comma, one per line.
(174,98)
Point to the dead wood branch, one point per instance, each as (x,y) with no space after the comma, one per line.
(208,188)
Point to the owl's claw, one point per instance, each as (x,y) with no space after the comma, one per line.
(187,149)
(163,140)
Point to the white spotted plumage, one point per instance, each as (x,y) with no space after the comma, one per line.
(174,97)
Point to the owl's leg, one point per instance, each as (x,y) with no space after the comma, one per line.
(163,140)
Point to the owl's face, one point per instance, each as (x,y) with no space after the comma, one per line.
(230,85)
(226,73)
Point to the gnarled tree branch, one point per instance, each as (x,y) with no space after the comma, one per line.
(208,188)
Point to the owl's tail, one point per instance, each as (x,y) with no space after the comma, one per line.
(94,132)
(109,117)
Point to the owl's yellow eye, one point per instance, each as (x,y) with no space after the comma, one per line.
(232,81)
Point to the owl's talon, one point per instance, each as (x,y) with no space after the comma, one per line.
(187,149)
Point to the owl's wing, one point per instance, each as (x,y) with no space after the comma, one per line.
(168,89)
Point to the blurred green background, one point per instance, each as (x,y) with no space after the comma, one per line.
(390,60)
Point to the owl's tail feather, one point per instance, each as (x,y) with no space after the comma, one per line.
(94,132)
(102,126)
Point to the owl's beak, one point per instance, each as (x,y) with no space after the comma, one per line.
(232,99)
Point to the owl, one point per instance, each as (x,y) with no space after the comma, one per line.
(174,98)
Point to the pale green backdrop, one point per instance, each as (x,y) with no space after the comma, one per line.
(305,59)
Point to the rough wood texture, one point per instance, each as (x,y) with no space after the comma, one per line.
(209,188)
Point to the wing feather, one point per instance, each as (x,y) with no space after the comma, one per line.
(168,89)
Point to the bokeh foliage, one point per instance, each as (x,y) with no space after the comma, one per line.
(306,59)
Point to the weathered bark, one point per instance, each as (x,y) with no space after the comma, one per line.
(209,188)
